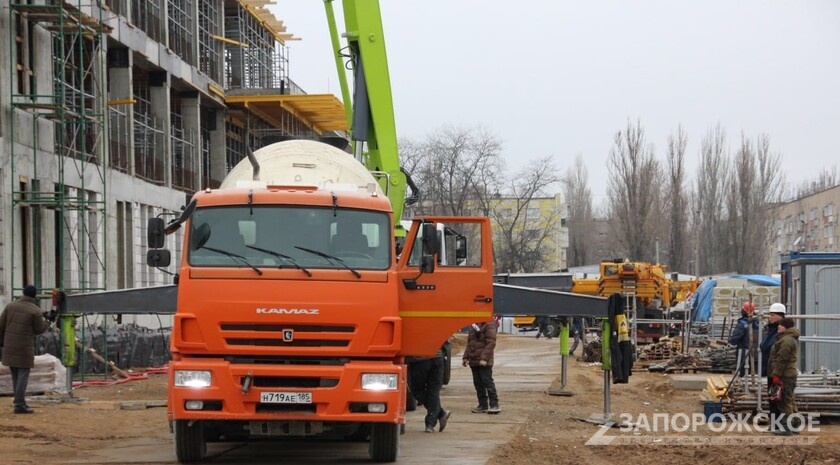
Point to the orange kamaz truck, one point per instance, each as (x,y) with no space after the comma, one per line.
(294,311)
(299,292)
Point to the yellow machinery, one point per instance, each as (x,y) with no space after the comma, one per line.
(649,290)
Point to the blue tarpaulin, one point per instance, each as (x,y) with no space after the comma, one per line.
(701,307)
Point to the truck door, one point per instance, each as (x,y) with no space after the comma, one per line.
(457,292)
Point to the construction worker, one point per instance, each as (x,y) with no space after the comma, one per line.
(777,312)
(20,322)
(542,327)
(481,343)
(578,335)
(740,337)
(426,380)
(783,372)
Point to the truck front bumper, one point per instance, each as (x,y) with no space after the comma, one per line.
(327,393)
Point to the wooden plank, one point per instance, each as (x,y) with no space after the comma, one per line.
(90,350)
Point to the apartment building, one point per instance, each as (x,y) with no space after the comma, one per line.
(539,222)
(808,224)
(115,111)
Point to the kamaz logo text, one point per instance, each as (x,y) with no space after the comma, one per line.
(289,311)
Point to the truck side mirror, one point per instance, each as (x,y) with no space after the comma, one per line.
(460,249)
(427,263)
(155,235)
(431,245)
(158,258)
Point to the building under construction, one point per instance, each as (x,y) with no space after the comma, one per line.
(116,111)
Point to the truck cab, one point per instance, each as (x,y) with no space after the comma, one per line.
(294,311)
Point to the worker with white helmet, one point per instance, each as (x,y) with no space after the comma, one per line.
(777,312)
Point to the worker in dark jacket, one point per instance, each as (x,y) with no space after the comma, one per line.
(20,322)
(578,335)
(741,334)
(783,372)
(425,377)
(542,327)
(777,312)
(481,342)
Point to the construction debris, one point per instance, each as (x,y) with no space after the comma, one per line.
(592,352)
(682,363)
(662,350)
(722,359)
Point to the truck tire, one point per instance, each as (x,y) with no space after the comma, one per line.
(361,434)
(410,401)
(190,443)
(384,442)
(447,364)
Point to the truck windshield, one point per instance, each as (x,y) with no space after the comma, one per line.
(267,236)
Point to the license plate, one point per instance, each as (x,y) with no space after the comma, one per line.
(286,397)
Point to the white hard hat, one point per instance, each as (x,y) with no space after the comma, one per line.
(778,308)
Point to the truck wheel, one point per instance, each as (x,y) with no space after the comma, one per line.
(447,364)
(553,329)
(410,401)
(190,444)
(384,442)
(362,433)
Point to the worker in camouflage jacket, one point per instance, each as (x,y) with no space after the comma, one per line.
(783,372)
(481,342)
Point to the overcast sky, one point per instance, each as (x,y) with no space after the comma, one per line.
(556,77)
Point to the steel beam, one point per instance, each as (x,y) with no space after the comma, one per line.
(511,300)
(161,300)
(554,281)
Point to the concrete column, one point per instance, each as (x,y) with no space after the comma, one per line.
(191,120)
(218,149)
(160,107)
(120,89)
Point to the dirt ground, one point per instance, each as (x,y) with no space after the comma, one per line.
(543,429)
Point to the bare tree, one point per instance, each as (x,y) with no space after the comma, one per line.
(676,201)
(634,191)
(826,179)
(411,161)
(580,215)
(458,169)
(740,209)
(709,213)
(525,229)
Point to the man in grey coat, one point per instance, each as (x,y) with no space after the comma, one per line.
(20,321)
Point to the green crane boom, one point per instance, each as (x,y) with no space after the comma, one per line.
(371,113)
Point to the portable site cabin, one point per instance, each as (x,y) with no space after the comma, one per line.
(811,288)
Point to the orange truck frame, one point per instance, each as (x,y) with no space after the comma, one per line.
(294,308)
(292,336)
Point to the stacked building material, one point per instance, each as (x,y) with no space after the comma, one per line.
(662,350)
(722,359)
(817,393)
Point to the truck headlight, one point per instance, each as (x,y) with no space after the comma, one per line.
(379,382)
(193,378)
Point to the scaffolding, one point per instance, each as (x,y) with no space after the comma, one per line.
(255,57)
(60,165)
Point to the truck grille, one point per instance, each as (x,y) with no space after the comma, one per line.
(271,335)
(281,343)
(301,382)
